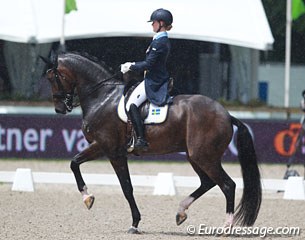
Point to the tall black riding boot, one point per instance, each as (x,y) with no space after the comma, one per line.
(137,122)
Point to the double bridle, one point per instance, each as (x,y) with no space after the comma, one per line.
(68,97)
(65,97)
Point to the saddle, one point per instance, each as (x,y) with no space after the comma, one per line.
(150,113)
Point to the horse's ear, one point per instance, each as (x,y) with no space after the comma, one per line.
(45,60)
(54,58)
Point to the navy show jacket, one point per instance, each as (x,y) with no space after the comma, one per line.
(156,77)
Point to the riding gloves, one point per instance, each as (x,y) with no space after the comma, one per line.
(125,67)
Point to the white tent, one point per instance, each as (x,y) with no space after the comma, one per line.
(236,22)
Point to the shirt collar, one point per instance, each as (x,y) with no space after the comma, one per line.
(159,35)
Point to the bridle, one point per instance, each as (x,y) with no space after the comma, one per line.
(68,97)
(62,95)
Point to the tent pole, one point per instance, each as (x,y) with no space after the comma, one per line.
(62,37)
(287,52)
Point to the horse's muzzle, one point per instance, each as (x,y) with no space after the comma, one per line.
(61,111)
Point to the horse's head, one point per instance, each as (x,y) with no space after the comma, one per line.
(65,70)
(62,84)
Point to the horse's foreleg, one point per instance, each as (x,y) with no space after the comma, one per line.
(90,153)
(121,169)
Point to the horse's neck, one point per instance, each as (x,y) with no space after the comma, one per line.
(95,87)
(101,100)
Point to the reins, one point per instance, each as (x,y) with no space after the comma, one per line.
(103,82)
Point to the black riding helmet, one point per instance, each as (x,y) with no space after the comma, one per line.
(162,15)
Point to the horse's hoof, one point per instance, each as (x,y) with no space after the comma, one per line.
(134,230)
(180,218)
(89,201)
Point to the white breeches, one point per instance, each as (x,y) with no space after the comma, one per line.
(138,96)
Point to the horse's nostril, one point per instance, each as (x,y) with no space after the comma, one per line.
(60,111)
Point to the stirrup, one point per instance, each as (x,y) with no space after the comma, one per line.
(141,144)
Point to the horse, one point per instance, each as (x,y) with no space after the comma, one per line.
(195,124)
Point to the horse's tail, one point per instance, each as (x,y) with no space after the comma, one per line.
(248,208)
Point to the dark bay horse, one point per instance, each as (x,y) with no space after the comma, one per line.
(195,124)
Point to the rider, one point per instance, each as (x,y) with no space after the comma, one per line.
(155,83)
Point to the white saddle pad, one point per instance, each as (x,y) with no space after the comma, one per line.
(156,114)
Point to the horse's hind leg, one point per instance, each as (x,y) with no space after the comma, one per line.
(209,178)
(90,153)
(227,186)
(205,185)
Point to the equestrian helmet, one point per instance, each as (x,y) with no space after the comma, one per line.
(162,14)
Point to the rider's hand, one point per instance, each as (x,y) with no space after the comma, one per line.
(125,67)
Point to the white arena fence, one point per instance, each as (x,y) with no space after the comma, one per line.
(165,183)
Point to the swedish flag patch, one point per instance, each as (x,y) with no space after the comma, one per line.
(155,111)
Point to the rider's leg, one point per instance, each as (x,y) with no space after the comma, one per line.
(137,97)
(138,124)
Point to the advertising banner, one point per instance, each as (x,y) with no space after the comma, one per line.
(40,136)
(55,137)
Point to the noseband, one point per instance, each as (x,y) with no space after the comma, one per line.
(65,97)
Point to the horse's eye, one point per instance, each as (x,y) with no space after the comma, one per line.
(49,74)
(50,77)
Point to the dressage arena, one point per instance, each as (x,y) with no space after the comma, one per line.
(56,211)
